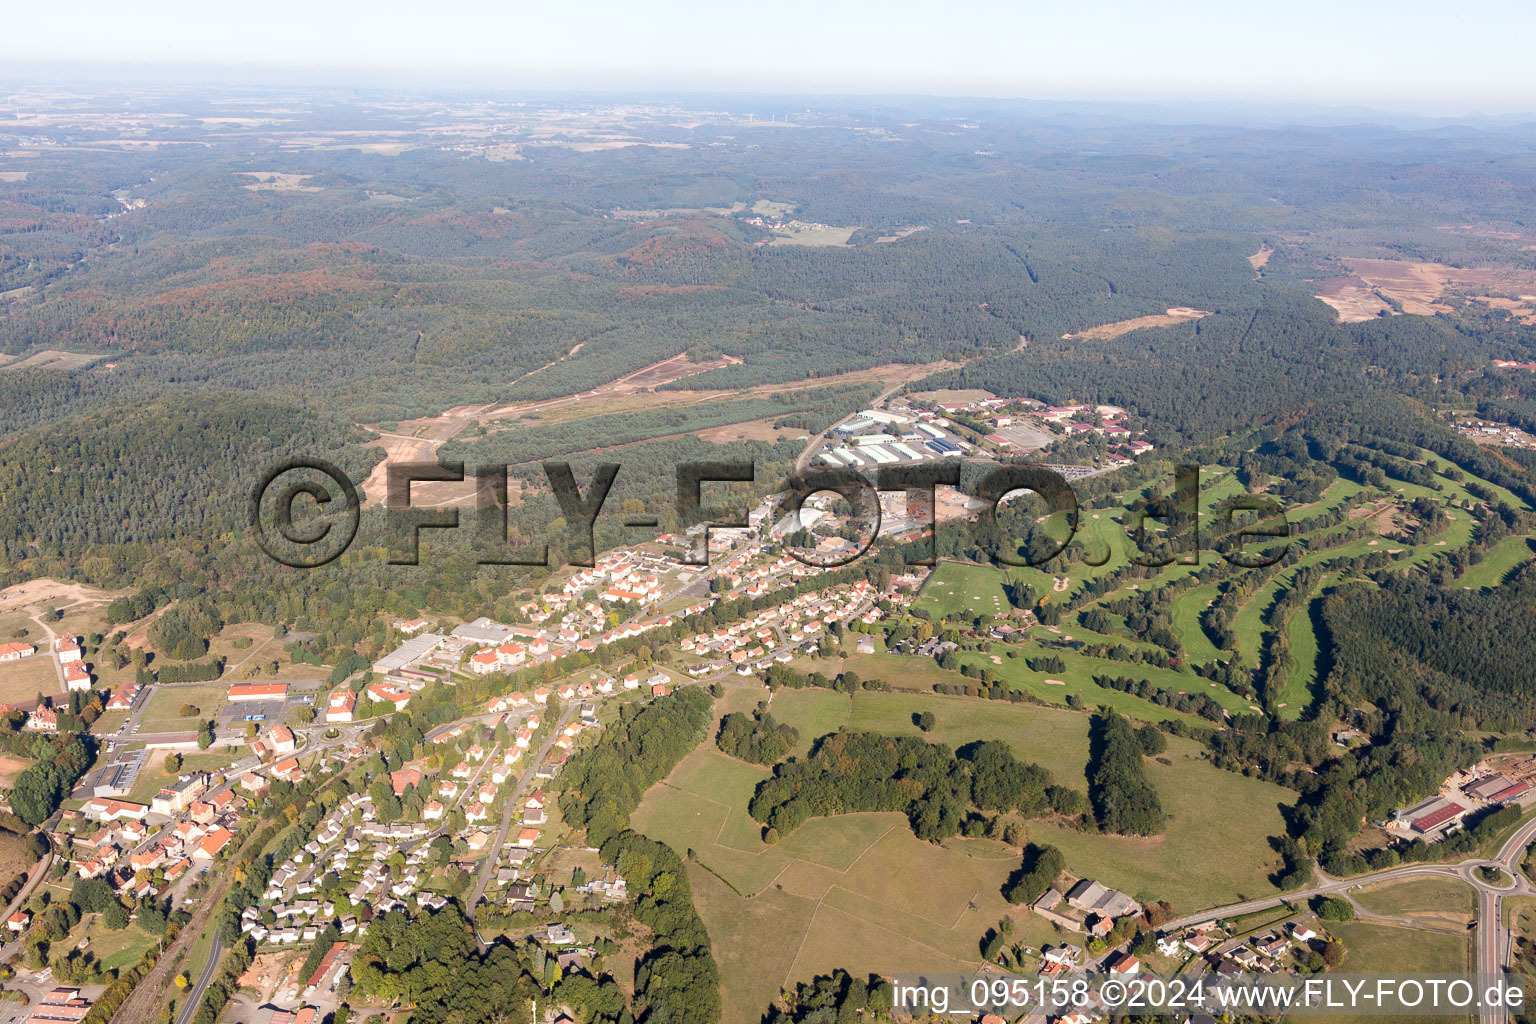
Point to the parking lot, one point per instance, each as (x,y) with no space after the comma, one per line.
(263,712)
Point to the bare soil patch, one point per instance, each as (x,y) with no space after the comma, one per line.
(899,234)
(1415,285)
(752,430)
(1175,315)
(10,767)
(55,591)
(1352,298)
(1420,288)
(954,395)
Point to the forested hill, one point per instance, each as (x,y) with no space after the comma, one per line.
(237,293)
(1467,653)
(396,285)
(123,478)
(1276,355)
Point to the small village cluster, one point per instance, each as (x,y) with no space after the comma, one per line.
(748,570)
(1222,947)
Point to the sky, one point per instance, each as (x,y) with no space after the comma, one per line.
(1407,55)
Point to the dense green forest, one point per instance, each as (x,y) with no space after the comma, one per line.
(1124,801)
(758,737)
(936,788)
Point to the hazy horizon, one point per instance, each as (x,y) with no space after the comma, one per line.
(1402,59)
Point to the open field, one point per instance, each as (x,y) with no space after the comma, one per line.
(10,766)
(814,712)
(163,712)
(622,396)
(860,891)
(751,430)
(821,234)
(43,591)
(53,359)
(114,949)
(953,395)
(1199,861)
(21,681)
(1419,288)
(1354,299)
(277,181)
(418,440)
(1054,738)
(962,587)
(1389,949)
(1431,899)
(1174,315)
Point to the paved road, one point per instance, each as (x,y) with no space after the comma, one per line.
(194,995)
(232,774)
(1494,940)
(142,1005)
(39,872)
(509,811)
(53,651)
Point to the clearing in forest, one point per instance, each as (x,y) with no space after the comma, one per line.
(1174,315)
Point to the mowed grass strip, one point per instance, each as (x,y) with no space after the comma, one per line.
(1507,555)
(1184,618)
(960,587)
(1077,679)
(1304,684)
